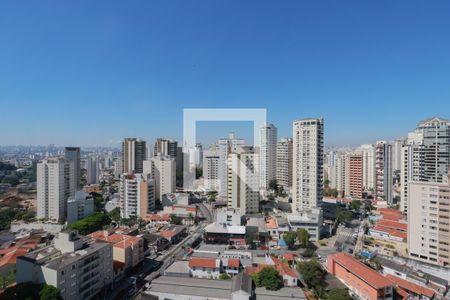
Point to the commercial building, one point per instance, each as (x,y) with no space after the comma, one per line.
(307,164)
(362,281)
(310,219)
(267,154)
(79,268)
(134,152)
(168,287)
(54,186)
(227,229)
(284,163)
(429,222)
(243,180)
(137,195)
(79,206)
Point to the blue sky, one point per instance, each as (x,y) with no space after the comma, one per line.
(92,72)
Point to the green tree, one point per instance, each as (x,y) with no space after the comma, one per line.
(273,185)
(174,219)
(49,292)
(98,201)
(312,273)
(303,237)
(24,290)
(91,223)
(355,205)
(290,238)
(269,278)
(338,294)
(115,214)
(224,276)
(343,216)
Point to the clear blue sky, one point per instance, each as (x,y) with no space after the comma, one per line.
(93,72)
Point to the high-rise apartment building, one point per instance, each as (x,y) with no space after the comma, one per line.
(428,225)
(163,171)
(137,195)
(284,163)
(339,174)
(396,155)
(425,155)
(134,152)
(267,154)
(224,148)
(72,154)
(54,186)
(436,149)
(383,172)
(307,164)
(165,147)
(211,169)
(93,170)
(410,166)
(368,160)
(243,180)
(355,176)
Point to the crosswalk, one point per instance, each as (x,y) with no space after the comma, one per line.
(344,236)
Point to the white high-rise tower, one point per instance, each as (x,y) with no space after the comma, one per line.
(308,164)
(267,154)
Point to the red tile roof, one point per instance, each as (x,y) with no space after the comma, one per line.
(283,268)
(10,257)
(365,273)
(288,256)
(202,262)
(400,234)
(234,262)
(167,234)
(118,240)
(157,218)
(409,286)
(393,225)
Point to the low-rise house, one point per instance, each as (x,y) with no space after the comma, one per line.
(128,250)
(173,233)
(202,267)
(187,213)
(362,281)
(157,219)
(231,266)
(289,276)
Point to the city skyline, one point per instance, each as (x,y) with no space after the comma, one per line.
(78,75)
